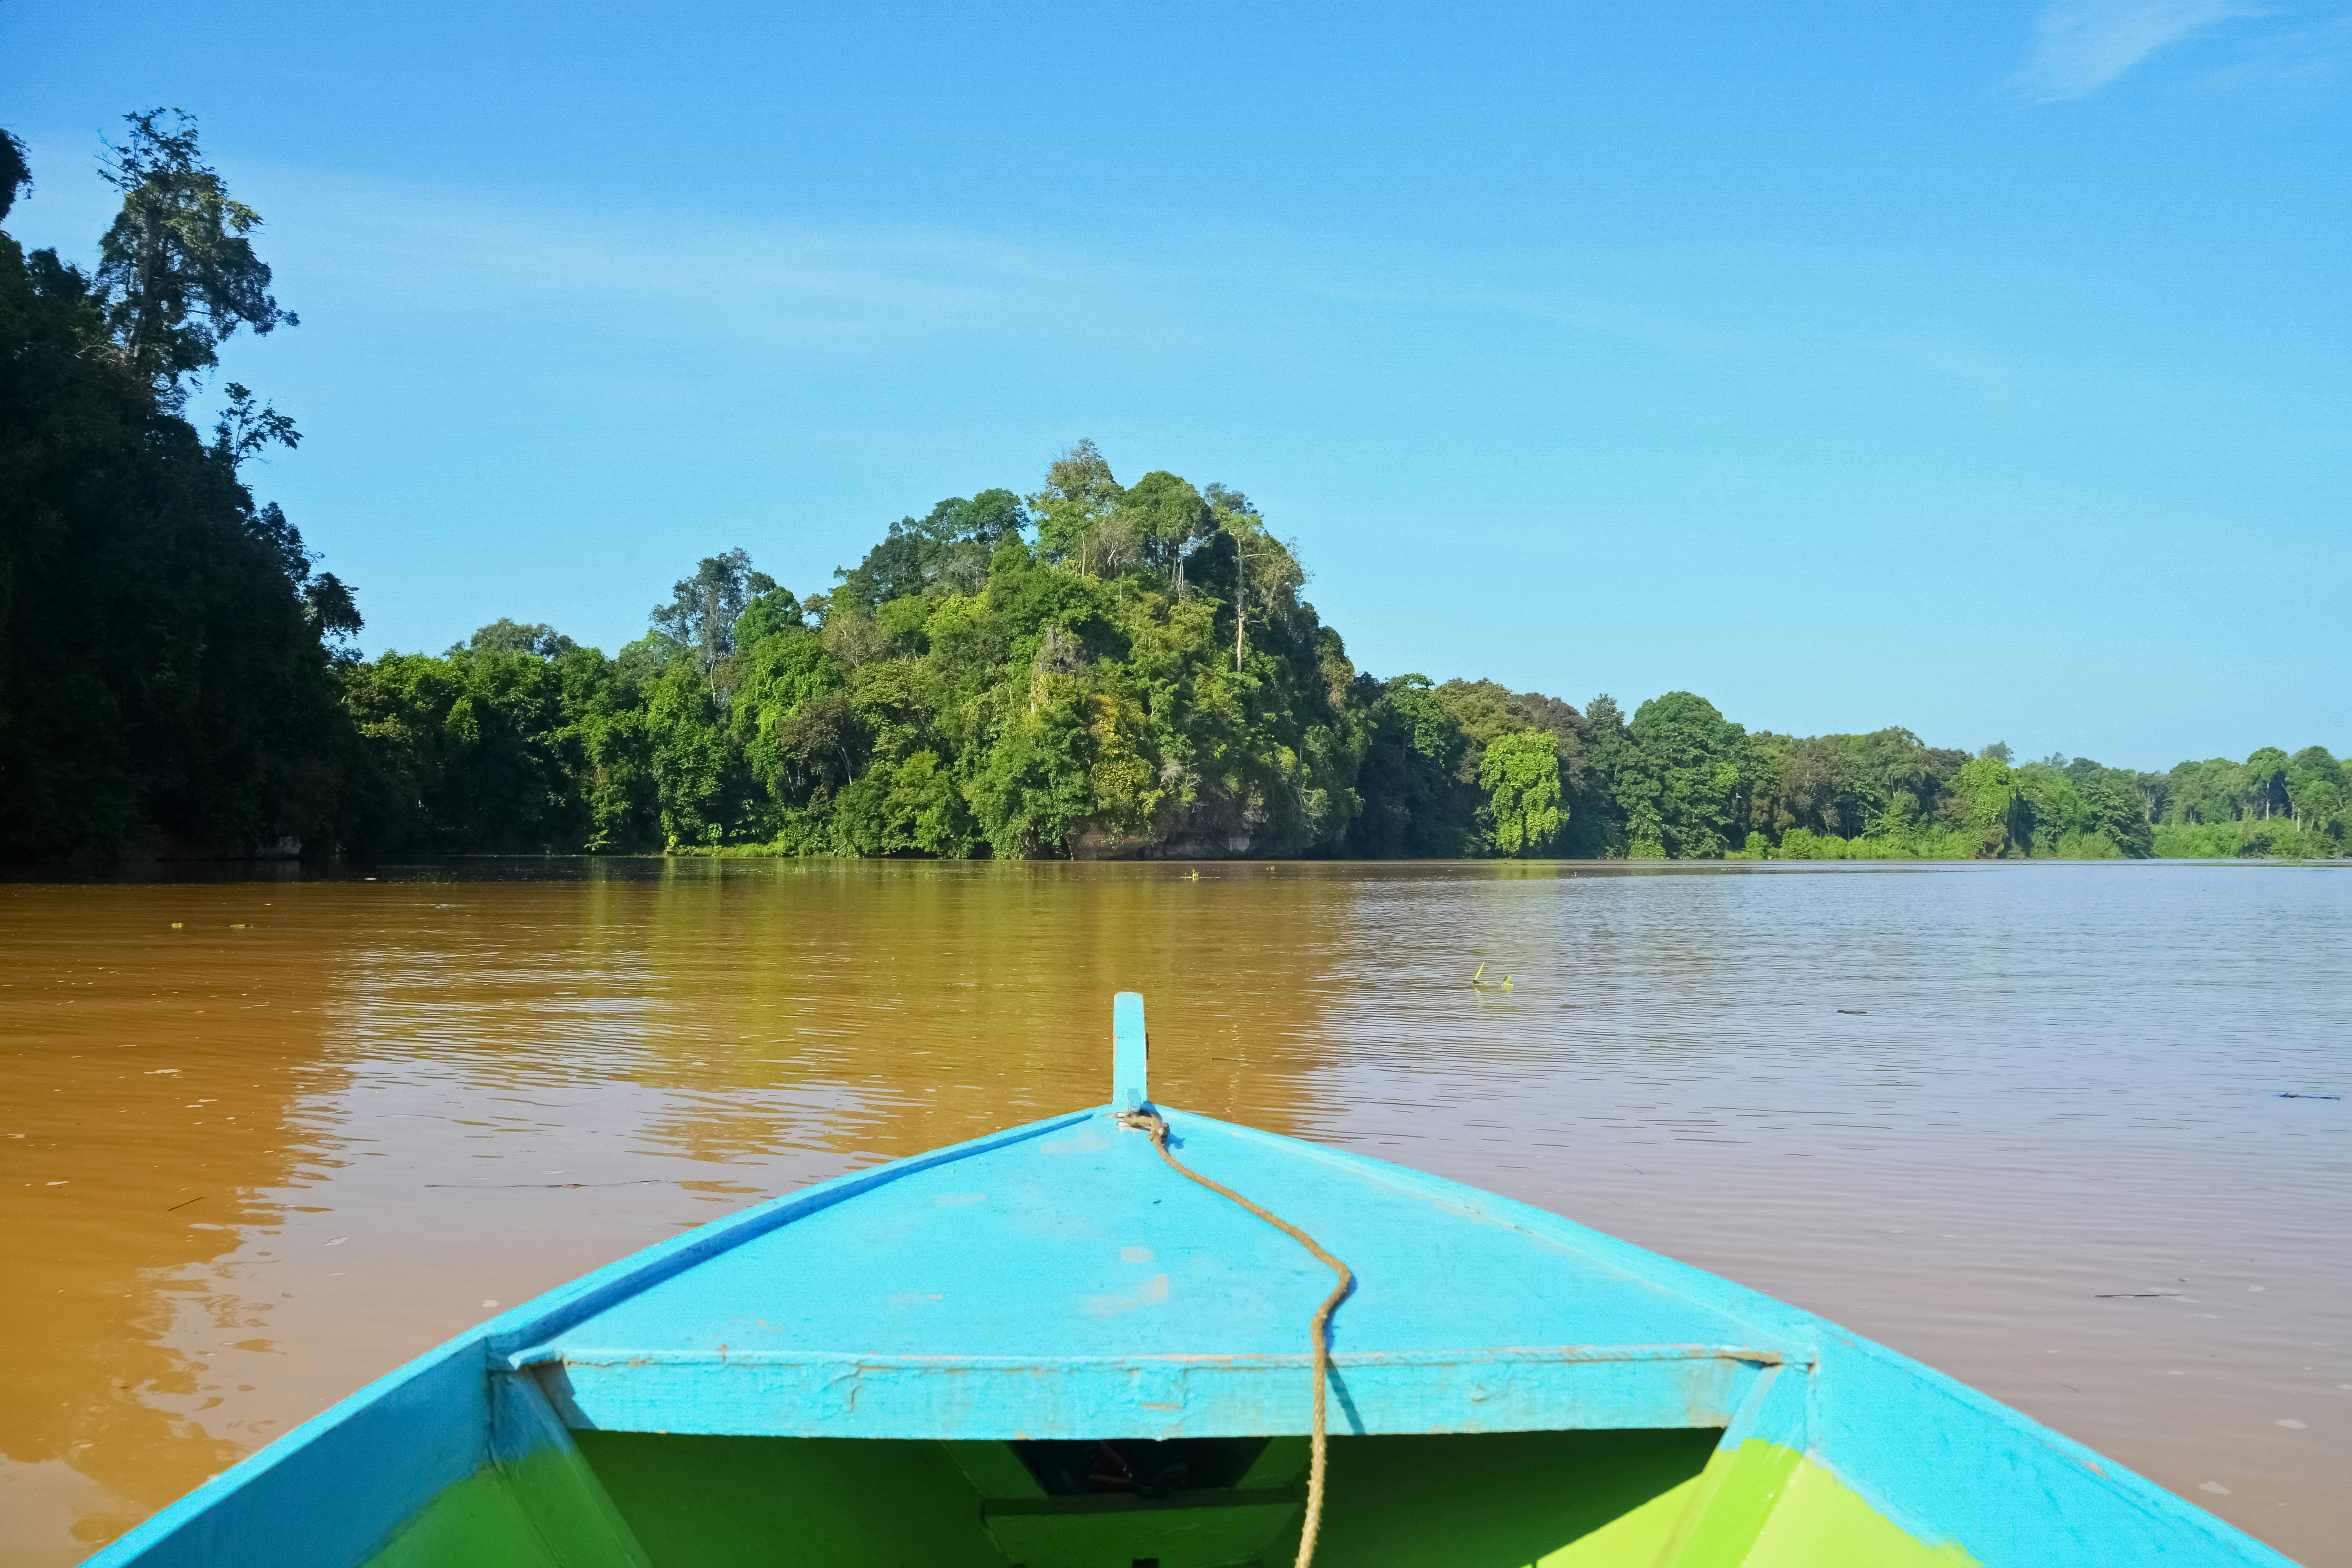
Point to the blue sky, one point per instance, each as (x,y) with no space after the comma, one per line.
(1977,368)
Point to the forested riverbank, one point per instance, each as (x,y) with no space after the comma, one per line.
(1041,707)
(1089,669)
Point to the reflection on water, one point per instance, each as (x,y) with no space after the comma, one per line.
(2031,1123)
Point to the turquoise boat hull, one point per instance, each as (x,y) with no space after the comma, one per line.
(1047,1348)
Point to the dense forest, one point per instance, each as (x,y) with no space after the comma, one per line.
(1091,669)
(168,669)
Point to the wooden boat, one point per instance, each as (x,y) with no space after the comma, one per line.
(1051,1348)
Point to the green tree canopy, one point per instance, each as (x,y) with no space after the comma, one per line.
(505,636)
(177,273)
(1521,774)
(1075,505)
(702,613)
(1686,779)
(1162,519)
(946,551)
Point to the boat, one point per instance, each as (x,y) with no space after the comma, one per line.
(1133,1337)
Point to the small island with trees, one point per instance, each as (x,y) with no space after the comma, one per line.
(1089,669)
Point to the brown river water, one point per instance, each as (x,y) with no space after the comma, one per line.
(2054,1129)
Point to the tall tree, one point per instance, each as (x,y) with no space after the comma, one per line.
(946,552)
(702,613)
(1164,516)
(1689,768)
(1265,576)
(1076,505)
(177,273)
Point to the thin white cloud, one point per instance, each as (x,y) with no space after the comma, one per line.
(2313,44)
(684,273)
(2081,46)
(1603,319)
(1953,357)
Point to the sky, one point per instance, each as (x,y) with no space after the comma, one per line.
(1980,370)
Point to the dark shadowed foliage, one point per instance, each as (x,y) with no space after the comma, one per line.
(168,655)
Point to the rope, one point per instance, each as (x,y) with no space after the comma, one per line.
(1319,1331)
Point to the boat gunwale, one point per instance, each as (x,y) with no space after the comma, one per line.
(1503,1354)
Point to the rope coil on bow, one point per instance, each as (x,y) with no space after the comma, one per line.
(1318,1331)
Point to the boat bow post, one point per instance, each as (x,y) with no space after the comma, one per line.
(1131,1054)
(1127,1073)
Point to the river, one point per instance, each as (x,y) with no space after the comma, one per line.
(2063,1130)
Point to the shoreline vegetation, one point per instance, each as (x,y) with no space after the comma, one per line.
(1090,670)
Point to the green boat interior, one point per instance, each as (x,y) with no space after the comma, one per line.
(1489,1500)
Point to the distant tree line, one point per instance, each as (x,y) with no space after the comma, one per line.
(951,701)
(1089,669)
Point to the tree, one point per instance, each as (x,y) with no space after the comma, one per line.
(169,656)
(770,614)
(1596,827)
(1686,772)
(990,518)
(2314,787)
(2054,813)
(1163,516)
(1818,785)
(1521,773)
(945,552)
(2112,807)
(2263,789)
(15,170)
(700,616)
(177,273)
(1989,805)
(174,665)
(1266,575)
(505,636)
(1408,779)
(1075,505)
